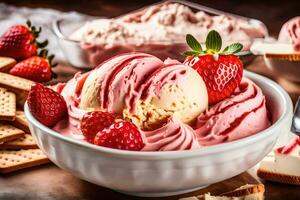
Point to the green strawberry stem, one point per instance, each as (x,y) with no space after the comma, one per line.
(36,32)
(44,53)
(42,44)
(213,45)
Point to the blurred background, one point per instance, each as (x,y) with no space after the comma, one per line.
(272,12)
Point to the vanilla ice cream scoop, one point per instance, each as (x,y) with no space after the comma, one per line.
(173,90)
(145,90)
(110,85)
(188,97)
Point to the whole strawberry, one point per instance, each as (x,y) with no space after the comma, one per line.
(35,68)
(120,135)
(222,71)
(19,42)
(46,105)
(93,122)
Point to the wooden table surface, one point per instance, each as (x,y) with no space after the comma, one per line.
(49,182)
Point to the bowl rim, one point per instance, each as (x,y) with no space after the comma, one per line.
(287,110)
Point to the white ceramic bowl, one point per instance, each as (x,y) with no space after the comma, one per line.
(166,173)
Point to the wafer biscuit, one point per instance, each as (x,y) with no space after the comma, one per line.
(19,86)
(7,105)
(245,190)
(6,64)
(14,83)
(20,121)
(277,177)
(26,142)
(289,57)
(9,132)
(15,160)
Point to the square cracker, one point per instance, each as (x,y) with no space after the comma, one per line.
(15,160)
(20,121)
(9,132)
(7,105)
(18,85)
(14,83)
(26,142)
(6,63)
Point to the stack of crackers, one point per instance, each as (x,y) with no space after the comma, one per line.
(18,149)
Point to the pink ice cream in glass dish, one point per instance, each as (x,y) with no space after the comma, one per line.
(158,30)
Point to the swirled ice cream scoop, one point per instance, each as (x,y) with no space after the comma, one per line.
(173,89)
(241,115)
(290,32)
(174,135)
(144,89)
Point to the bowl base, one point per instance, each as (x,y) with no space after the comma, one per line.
(160,194)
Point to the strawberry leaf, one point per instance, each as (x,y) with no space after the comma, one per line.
(233,48)
(193,43)
(28,23)
(42,44)
(191,53)
(213,42)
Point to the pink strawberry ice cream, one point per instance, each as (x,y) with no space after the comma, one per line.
(174,135)
(290,32)
(160,30)
(167,101)
(242,114)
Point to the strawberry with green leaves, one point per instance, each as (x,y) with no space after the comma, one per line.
(35,68)
(221,71)
(20,42)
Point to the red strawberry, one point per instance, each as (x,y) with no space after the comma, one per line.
(222,72)
(120,135)
(19,42)
(46,105)
(93,122)
(35,68)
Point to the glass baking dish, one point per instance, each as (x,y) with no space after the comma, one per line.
(80,57)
